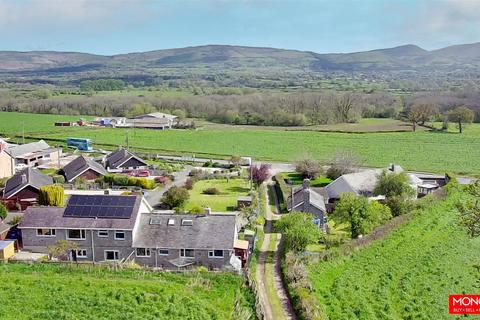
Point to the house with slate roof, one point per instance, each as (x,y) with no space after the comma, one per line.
(25,185)
(123,159)
(83,167)
(124,228)
(305,199)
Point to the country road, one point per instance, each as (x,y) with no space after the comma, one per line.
(272,292)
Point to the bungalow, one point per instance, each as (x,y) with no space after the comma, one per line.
(83,167)
(123,228)
(305,199)
(123,159)
(34,153)
(25,185)
(362,183)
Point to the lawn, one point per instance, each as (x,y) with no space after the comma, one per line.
(225,201)
(297,179)
(423,151)
(59,292)
(407,275)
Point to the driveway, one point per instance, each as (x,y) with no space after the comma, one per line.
(154,196)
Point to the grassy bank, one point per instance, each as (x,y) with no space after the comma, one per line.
(59,292)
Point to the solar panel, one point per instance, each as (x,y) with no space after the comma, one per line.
(101,206)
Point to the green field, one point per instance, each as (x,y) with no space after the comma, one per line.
(59,292)
(408,275)
(225,201)
(427,151)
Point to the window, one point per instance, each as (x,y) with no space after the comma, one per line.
(143,252)
(46,232)
(171,222)
(76,234)
(111,255)
(82,253)
(186,253)
(103,233)
(187,222)
(163,252)
(119,235)
(215,254)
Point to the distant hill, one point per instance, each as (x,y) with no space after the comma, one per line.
(205,62)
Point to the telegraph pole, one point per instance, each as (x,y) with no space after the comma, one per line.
(126,139)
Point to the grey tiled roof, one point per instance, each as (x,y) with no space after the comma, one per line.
(206,232)
(316,199)
(80,165)
(117,158)
(28,176)
(52,217)
(22,149)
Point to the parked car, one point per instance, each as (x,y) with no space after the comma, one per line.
(142,173)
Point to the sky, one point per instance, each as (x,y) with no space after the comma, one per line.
(121,26)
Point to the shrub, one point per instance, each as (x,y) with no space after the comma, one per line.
(145,183)
(121,180)
(3,211)
(161,180)
(16,220)
(175,197)
(196,210)
(399,205)
(308,168)
(189,184)
(3,181)
(298,231)
(52,195)
(211,191)
(57,178)
(260,173)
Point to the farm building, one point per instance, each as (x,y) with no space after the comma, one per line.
(123,159)
(155,120)
(83,167)
(25,185)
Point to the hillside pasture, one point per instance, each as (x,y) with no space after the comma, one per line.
(407,275)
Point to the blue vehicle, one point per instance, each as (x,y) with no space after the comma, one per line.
(81,144)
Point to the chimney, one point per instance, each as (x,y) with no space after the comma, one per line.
(24,178)
(306,184)
(208,211)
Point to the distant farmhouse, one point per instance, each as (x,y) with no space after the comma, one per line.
(156,120)
(124,228)
(83,168)
(123,159)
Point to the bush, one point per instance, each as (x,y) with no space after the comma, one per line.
(3,211)
(57,178)
(161,180)
(334,172)
(175,197)
(189,184)
(145,183)
(399,205)
(308,168)
(121,180)
(197,210)
(211,191)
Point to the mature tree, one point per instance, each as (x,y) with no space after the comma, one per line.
(362,214)
(175,197)
(461,116)
(3,211)
(260,174)
(62,249)
(421,113)
(343,162)
(308,167)
(298,231)
(470,210)
(397,190)
(344,106)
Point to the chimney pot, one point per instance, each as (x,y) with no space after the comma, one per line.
(306,183)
